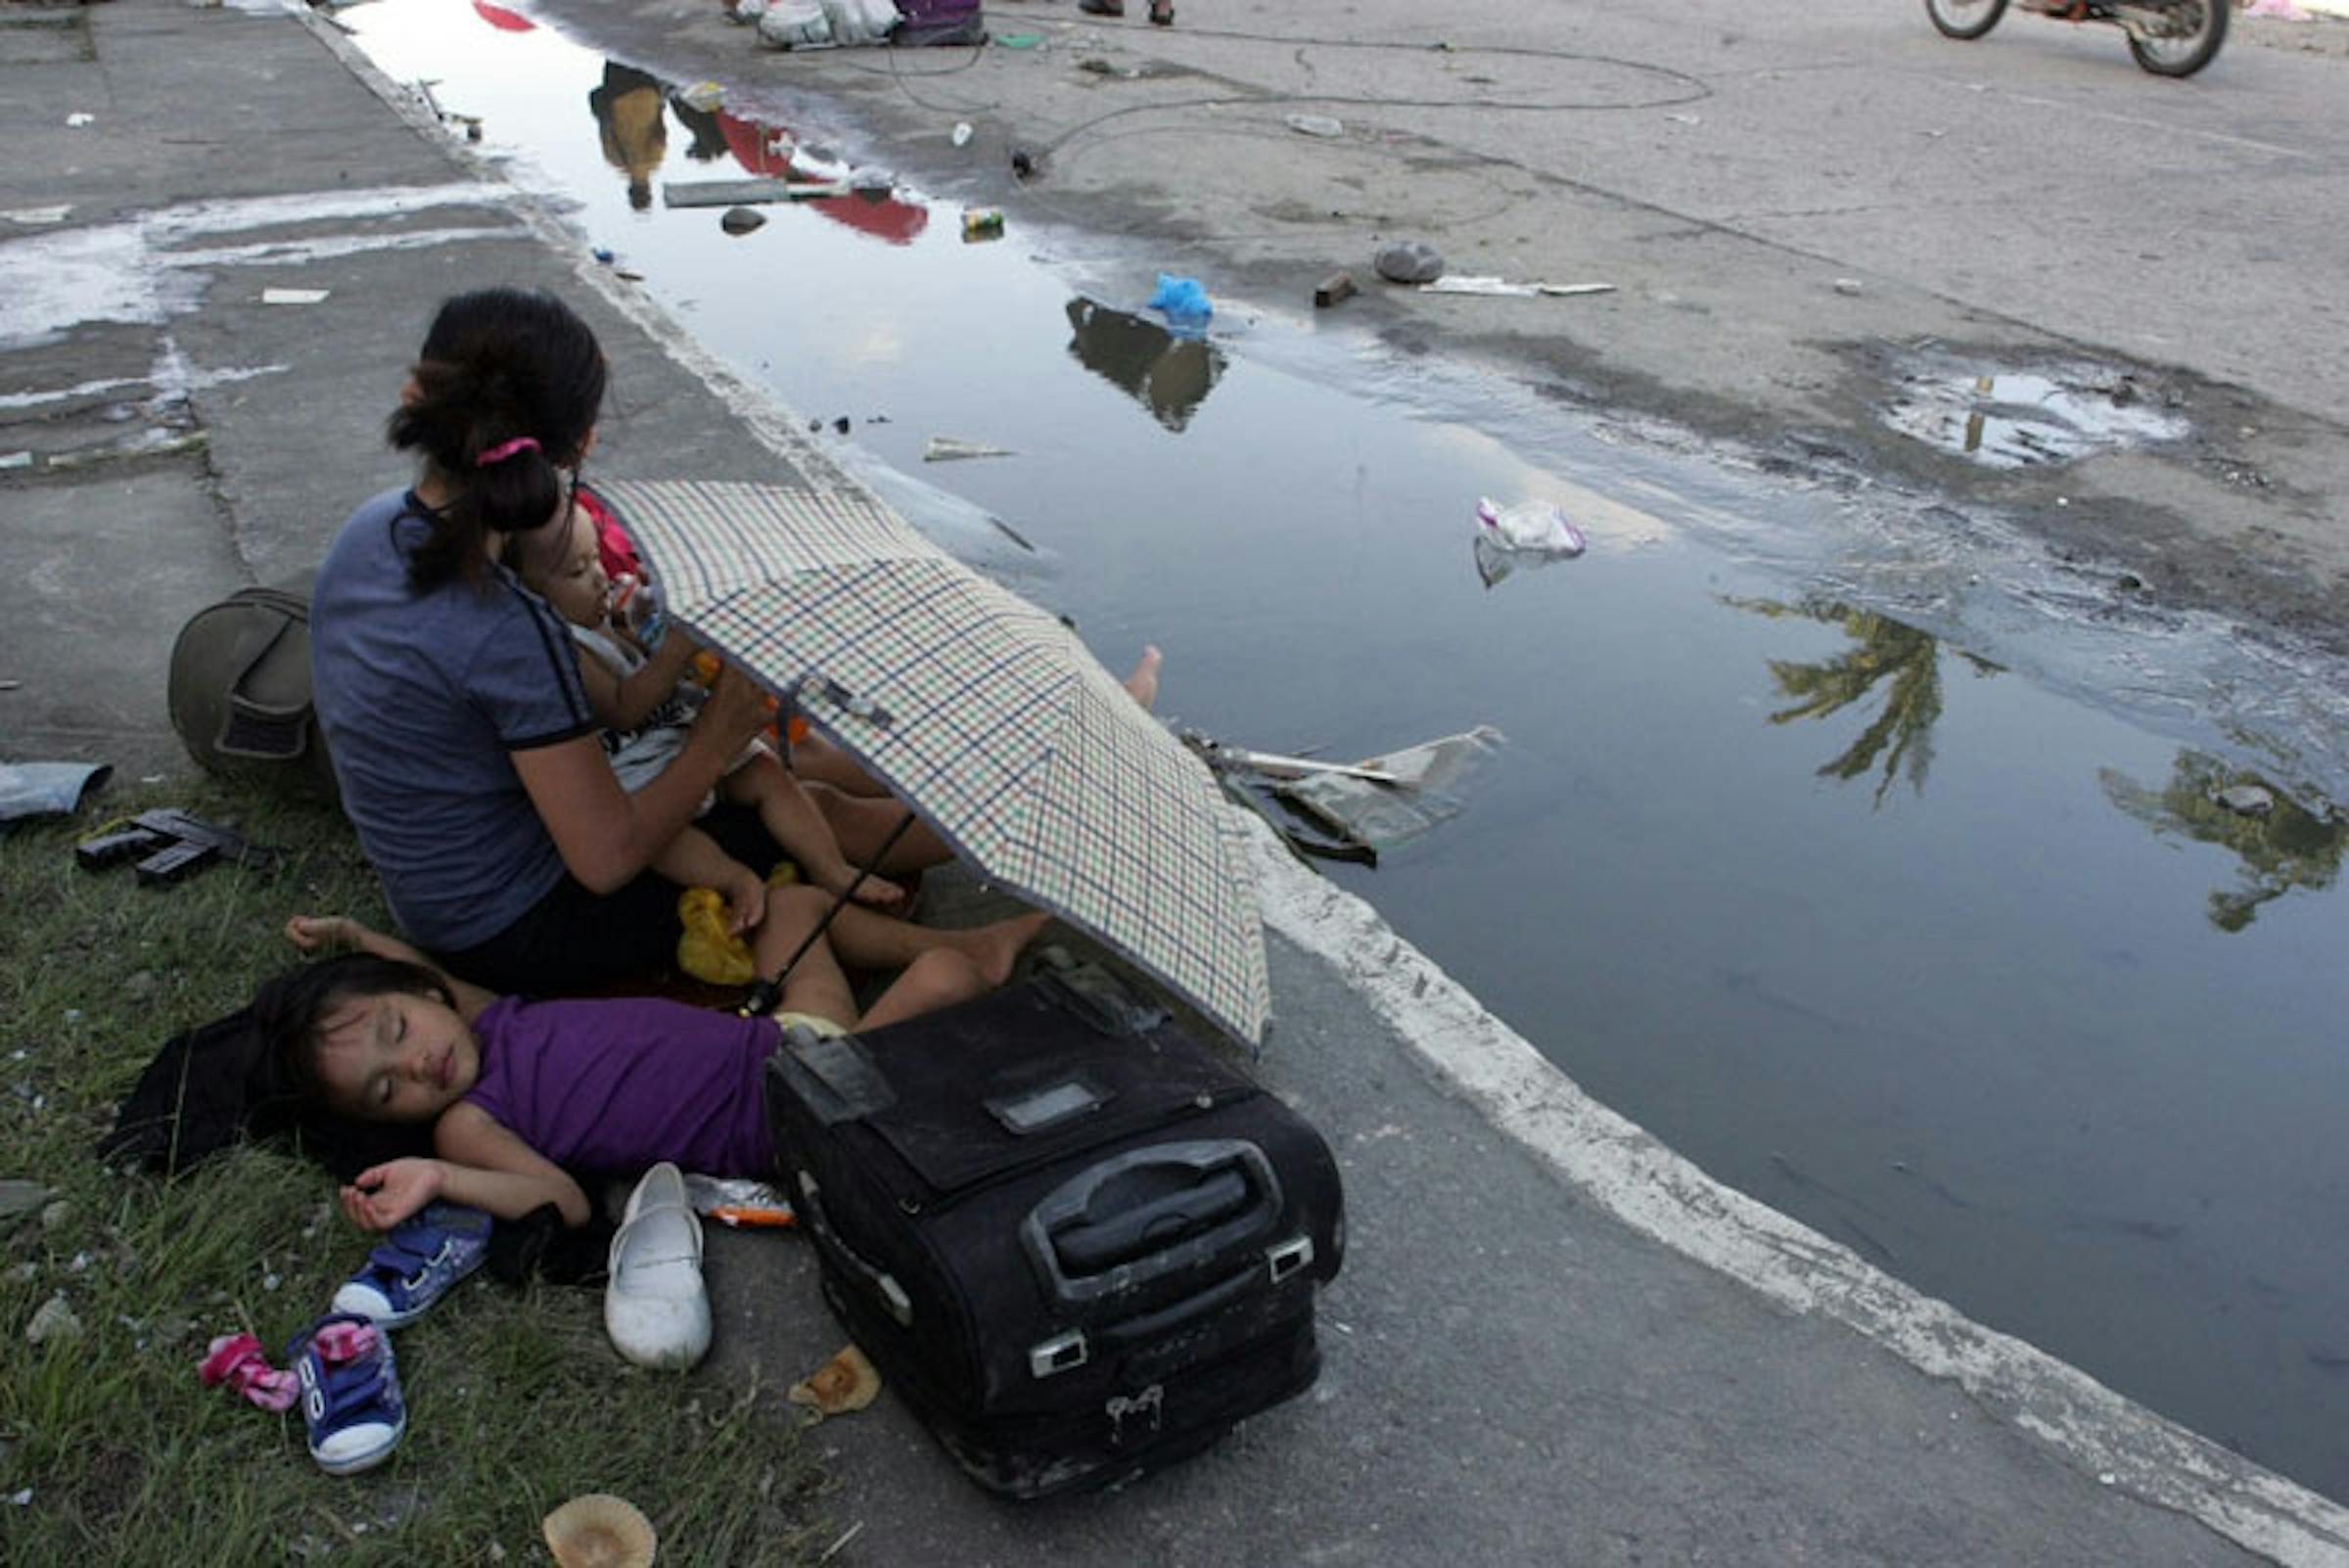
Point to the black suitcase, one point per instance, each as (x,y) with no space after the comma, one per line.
(1077,1242)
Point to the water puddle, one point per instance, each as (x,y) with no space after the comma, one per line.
(1859,851)
(2022,419)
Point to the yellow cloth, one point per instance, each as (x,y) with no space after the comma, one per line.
(709,952)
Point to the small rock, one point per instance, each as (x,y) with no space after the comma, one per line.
(2130,582)
(24,1274)
(20,1197)
(1847,285)
(1410,262)
(2247,800)
(741,219)
(54,1320)
(140,983)
(54,1216)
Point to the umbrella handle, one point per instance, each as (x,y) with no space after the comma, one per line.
(769,989)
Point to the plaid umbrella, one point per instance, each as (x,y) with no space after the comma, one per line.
(980,710)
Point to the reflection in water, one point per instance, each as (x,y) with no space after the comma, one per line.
(1168,375)
(2284,848)
(1901,734)
(628,109)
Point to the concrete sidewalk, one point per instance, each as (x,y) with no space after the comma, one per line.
(1554,1342)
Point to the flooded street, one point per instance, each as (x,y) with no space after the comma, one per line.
(1864,855)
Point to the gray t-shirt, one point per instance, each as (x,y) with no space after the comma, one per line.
(421,697)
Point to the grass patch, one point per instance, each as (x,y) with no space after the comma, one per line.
(516,1399)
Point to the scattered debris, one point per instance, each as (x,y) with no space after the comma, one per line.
(1533,534)
(962,133)
(746,193)
(10,460)
(1183,302)
(1023,164)
(1380,816)
(1333,290)
(1410,262)
(845,1383)
(703,96)
(603,253)
(1275,765)
(1321,125)
(982,223)
(599,1531)
(294,296)
(32,215)
(738,1201)
(1532,526)
(741,219)
(1017,40)
(2247,800)
(1685,119)
(78,119)
(1847,285)
(1502,286)
(946,449)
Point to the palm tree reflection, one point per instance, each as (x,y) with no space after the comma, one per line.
(2284,848)
(1885,652)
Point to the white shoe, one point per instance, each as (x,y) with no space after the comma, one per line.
(654,1308)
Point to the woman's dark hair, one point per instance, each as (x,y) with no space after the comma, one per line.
(499,367)
(291,1010)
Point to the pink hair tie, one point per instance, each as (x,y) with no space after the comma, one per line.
(505,449)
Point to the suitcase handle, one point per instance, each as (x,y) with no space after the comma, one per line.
(1149,1213)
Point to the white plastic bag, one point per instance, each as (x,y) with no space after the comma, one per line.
(795,24)
(860,22)
(1539,527)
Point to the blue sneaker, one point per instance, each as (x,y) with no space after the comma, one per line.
(349,1393)
(418,1263)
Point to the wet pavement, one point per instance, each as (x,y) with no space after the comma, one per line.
(1729,868)
(1869,864)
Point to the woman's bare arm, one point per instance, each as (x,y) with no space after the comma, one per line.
(607,835)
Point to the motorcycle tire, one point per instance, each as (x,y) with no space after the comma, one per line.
(2202,29)
(1966,18)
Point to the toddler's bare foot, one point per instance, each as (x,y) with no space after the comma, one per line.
(873,893)
(1143,682)
(995,947)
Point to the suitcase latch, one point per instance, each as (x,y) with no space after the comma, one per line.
(1148,1403)
(1286,1258)
(1061,1352)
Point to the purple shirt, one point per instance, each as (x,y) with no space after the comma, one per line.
(620,1083)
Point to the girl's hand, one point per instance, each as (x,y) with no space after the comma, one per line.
(313,932)
(737,709)
(746,902)
(385,1194)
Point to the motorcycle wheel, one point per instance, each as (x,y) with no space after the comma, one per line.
(1966,19)
(2191,31)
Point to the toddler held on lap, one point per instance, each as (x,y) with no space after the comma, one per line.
(645,699)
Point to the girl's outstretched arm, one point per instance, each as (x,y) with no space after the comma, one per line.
(482,1165)
(313,932)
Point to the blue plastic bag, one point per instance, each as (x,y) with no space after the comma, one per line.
(1183,301)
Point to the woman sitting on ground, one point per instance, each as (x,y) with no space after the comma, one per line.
(451,701)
